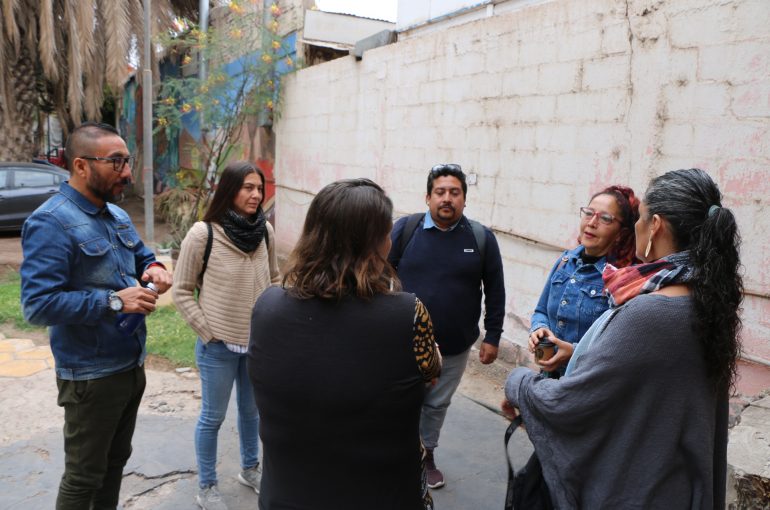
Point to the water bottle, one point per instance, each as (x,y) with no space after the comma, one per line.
(127,323)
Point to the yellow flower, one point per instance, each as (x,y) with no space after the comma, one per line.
(198,106)
(162,121)
(237,9)
(266,58)
(169,101)
(271,84)
(236,33)
(186,60)
(276,45)
(204,89)
(216,102)
(274,26)
(275,10)
(186,108)
(269,104)
(289,61)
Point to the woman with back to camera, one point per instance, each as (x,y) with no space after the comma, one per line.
(339,362)
(573,297)
(241,264)
(641,420)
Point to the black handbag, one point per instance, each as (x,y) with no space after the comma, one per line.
(527,489)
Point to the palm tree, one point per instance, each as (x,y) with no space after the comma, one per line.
(58,56)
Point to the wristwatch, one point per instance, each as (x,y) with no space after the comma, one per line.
(116,304)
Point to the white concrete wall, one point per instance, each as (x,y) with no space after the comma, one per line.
(547,104)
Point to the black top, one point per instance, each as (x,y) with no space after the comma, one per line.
(339,394)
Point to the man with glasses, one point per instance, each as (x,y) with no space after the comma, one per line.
(83,261)
(446,260)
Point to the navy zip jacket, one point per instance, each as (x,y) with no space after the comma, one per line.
(444,270)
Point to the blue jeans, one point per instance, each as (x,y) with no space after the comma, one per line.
(439,397)
(219,367)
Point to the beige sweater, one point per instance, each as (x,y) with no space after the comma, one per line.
(231,284)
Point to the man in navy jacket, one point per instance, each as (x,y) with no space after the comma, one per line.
(447,260)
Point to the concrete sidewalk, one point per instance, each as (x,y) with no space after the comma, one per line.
(161,473)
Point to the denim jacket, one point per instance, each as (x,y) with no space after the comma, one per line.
(74,254)
(573,297)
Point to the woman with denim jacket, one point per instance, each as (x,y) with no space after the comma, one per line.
(573,297)
(241,264)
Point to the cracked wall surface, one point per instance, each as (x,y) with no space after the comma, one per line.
(547,104)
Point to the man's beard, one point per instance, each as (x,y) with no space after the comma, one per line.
(99,187)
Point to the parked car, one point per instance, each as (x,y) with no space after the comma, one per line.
(23,187)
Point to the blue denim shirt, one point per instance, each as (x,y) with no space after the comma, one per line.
(573,297)
(74,254)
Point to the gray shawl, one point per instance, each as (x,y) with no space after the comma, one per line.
(637,424)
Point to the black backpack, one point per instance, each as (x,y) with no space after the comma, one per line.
(527,489)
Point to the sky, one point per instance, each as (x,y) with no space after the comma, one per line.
(379,9)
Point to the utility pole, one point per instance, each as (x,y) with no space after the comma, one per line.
(203,13)
(147,171)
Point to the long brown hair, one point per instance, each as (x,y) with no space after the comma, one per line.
(230,183)
(338,253)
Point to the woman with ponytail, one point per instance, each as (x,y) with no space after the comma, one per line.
(573,296)
(641,419)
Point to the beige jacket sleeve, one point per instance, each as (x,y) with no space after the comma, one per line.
(275,272)
(186,273)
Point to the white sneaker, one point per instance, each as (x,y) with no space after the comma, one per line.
(210,499)
(250,478)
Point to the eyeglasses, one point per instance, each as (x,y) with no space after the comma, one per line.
(604,218)
(118,162)
(446,167)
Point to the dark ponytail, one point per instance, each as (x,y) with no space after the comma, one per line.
(692,204)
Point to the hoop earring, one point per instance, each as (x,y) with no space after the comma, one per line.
(649,246)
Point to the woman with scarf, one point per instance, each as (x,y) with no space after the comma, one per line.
(573,296)
(240,265)
(640,420)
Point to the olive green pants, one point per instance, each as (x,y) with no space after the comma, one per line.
(99,420)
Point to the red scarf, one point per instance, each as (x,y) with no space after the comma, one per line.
(626,283)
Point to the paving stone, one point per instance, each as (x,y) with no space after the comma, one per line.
(16,344)
(5,356)
(22,367)
(43,353)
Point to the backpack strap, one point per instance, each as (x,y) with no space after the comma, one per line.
(207,251)
(412,221)
(415,219)
(481,239)
(408,232)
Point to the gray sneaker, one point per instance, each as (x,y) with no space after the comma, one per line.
(250,478)
(210,499)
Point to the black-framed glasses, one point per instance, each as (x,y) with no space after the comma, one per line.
(446,167)
(604,218)
(118,162)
